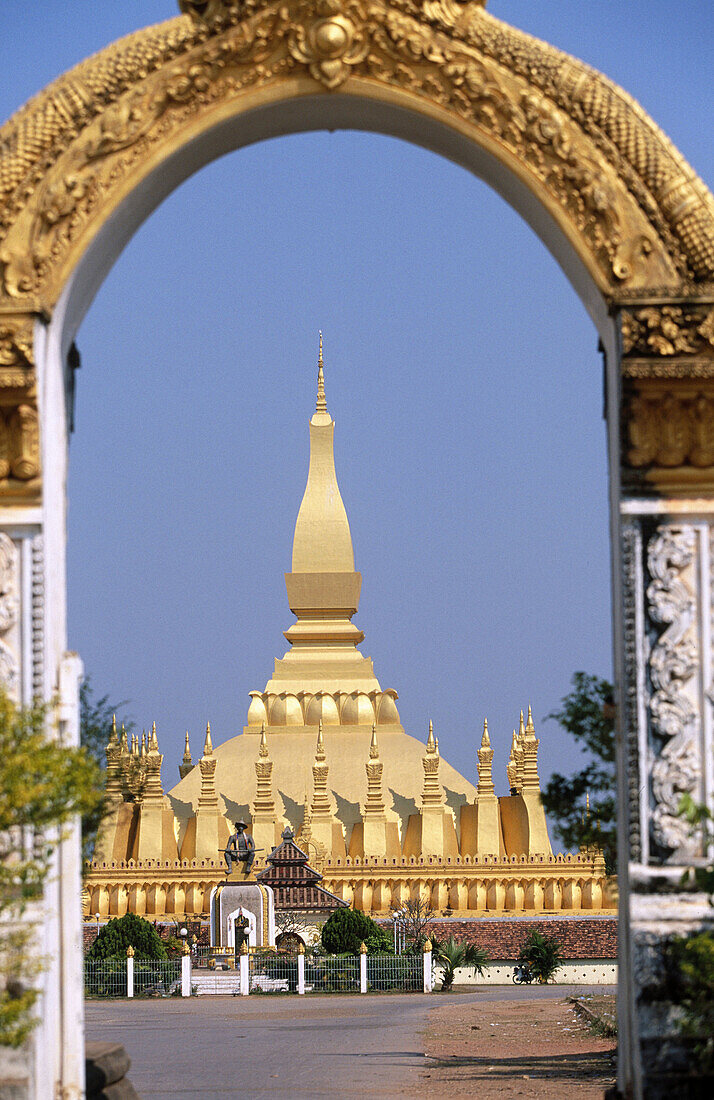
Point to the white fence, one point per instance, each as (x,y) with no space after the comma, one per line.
(269,972)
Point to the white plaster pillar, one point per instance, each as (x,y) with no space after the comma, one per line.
(363,969)
(301,970)
(130,972)
(186,973)
(428,977)
(244,972)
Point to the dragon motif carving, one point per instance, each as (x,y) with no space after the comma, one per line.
(673,662)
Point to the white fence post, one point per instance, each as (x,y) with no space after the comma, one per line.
(243,965)
(301,969)
(186,972)
(363,968)
(428,981)
(130,971)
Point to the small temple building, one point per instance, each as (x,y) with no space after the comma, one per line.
(323,754)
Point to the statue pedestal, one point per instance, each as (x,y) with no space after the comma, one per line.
(241,896)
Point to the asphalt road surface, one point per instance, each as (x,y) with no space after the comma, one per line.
(220,1048)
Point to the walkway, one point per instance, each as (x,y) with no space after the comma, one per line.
(222,1048)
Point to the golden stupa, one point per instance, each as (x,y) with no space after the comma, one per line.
(323,750)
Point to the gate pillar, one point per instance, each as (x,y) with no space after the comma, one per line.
(665,748)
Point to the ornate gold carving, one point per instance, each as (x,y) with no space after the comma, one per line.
(670,429)
(592,157)
(668,330)
(19,432)
(331,44)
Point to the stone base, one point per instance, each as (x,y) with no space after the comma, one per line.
(236,897)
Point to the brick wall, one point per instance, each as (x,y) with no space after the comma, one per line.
(580,938)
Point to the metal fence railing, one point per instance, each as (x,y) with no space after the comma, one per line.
(105,978)
(151,978)
(272,973)
(157,977)
(332,974)
(405,972)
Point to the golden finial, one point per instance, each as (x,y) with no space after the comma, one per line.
(143,743)
(154,739)
(187,751)
(530,728)
(587,804)
(124,739)
(485,740)
(320,753)
(430,742)
(321,404)
(521,727)
(263,750)
(373,750)
(208,744)
(114,729)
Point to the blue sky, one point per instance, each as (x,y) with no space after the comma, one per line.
(461,370)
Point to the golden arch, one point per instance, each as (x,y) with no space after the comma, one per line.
(633,212)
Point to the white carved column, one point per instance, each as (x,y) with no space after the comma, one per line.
(665,750)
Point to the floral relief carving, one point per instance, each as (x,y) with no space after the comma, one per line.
(443,51)
(673,661)
(668,330)
(9,666)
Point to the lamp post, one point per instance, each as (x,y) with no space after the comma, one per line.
(96,917)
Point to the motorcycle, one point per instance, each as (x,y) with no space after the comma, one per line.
(522,974)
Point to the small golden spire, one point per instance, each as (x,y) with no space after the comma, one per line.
(587,804)
(485,739)
(124,740)
(263,750)
(320,751)
(187,751)
(208,744)
(373,750)
(143,743)
(530,728)
(521,728)
(114,729)
(430,742)
(321,403)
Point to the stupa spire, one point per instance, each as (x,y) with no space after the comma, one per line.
(485,762)
(321,403)
(186,764)
(208,744)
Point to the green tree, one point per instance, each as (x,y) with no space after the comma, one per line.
(452,954)
(691,965)
(127,931)
(95,727)
(587,714)
(347,929)
(543,955)
(43,784)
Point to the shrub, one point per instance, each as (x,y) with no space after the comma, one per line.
(453,955)
(347,929)
(693,959)
(127,931)
(542,954)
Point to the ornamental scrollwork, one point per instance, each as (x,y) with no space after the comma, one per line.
(668,330)
(69,157)
(673,662)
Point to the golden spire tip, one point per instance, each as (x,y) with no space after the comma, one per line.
(208,744)
(485,739)
(321,403)
(373,750)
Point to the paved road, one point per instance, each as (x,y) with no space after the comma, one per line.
(221,1048)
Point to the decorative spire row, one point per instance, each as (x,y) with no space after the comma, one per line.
(522,767)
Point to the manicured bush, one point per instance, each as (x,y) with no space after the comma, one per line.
(542,954)
(127,931)
(347,929)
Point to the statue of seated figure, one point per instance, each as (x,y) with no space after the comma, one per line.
(240,849)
